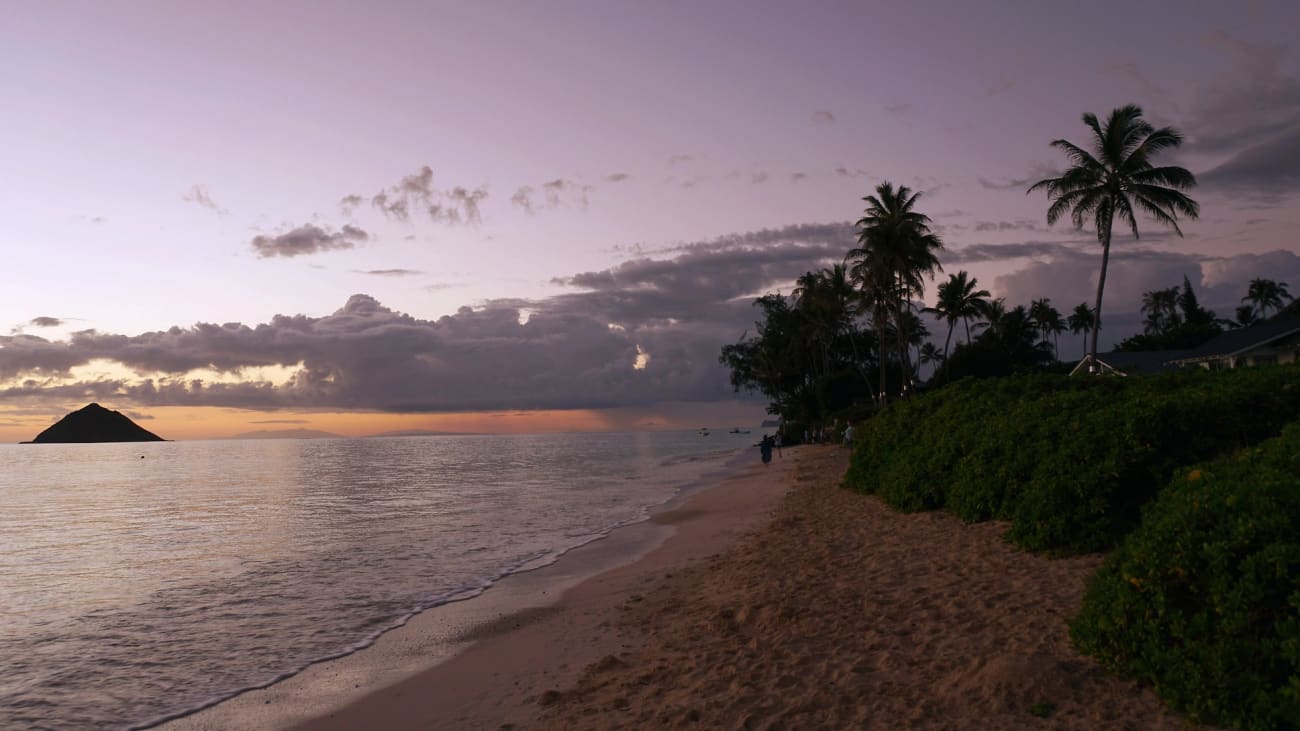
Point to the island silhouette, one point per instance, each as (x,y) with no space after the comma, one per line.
(94,423)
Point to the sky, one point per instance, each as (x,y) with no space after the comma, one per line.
(527,216)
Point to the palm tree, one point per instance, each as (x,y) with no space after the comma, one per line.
(1265,294)
(959,300)
(896,249)
(930,355)
(1080,321)
(1161,309)
(1117,178)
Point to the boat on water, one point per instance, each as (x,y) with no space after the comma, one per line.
(704,432)
(738,430)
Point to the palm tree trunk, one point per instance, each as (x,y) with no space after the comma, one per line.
(1101,287)
(948,340)
(880,342)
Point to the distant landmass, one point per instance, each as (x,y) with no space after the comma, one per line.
(94,423)
(287,434)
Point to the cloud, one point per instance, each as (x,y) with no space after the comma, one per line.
(1257,98)
(845,172)
(616,177)
(307,239)
(999,87)
(46,322)
(798,177)
(758,176)
(416,193)
(898,108)
(554,193)
(389,272)
(199,196)
(279,421)
(823,117)
(675,160)
(524,199)
(561,191)
(1020,225)
(1269,169)
(1038,172)
(577,349)
(348,203)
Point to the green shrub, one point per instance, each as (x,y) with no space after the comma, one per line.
(1203,600)
(1070,461)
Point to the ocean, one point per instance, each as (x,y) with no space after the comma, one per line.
(139,582)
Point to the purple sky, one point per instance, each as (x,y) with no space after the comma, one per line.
(374,197)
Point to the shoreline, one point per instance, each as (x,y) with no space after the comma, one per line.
(439,636)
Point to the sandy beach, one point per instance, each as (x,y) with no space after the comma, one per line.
(778,601)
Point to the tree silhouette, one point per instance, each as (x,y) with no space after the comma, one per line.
(1117,179)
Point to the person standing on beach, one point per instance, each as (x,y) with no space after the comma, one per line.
(848,435)
(765,448)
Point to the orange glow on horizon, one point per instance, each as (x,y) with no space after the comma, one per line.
(186,423)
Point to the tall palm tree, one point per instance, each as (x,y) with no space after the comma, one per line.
(1080,321)
(1117,178)
(896,249)
(1265,294)
(959,300)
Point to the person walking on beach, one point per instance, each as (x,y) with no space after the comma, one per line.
(765,448)
(848,435)
(777,442)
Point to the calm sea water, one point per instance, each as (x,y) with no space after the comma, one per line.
(133,590)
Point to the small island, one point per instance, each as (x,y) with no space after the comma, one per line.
(94,423)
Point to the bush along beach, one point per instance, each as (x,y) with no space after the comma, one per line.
(1203,600)
(1069,461)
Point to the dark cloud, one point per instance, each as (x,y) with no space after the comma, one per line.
(1021,225)
(199,196)
(46,321)
(694,180)
(758,176)
(616,177)
(845,172)
(1038,172)
(823,117)
(573,350)
(416,193)
(1270,169)
(390,272)
(279,421)
(307,239)
(797,177)
(1258,98)
(1001,252)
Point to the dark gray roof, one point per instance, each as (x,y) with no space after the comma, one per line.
(1143,361)
(1246,338)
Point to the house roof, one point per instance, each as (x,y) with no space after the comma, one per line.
(1143,361)
(1233,342)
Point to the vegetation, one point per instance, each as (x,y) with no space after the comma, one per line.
(1203,600)
(1203,597)
(1117,178)
(1069,462)
(896,248)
